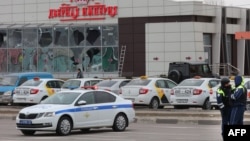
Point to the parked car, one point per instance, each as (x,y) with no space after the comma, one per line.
(194,92)
(112,85)
(179,71)
(77,83)
(76,110)
(35,90)
(10,81)
(247,85)
(150,91)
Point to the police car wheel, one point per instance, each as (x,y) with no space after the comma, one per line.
(120,122)
(64,126)
(28,132)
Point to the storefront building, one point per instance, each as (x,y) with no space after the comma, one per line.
(61,35)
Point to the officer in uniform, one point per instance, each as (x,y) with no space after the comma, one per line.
(223,94)
(239,100)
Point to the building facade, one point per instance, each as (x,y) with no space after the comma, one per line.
(60,36)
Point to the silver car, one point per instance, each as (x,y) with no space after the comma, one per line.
(112,85)
(79,83)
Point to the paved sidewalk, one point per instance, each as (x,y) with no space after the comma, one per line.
(165,116)
(202,117)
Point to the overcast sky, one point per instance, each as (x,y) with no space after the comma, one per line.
(237,3)
(240,3)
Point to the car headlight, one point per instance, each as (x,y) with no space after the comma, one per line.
(39,115)
(49,114)
(7,93)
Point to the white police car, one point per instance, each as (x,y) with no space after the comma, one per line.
(34,90)
(76,110)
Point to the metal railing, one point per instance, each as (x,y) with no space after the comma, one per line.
(224,69)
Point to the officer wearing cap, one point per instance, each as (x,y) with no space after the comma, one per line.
(239,99)
(223,94)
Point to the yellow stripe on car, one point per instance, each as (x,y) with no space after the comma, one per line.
(159,91)
(50,91)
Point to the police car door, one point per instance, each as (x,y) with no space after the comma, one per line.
(88,114)
(107,108)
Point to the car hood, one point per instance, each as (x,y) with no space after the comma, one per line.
(43,108)
(6,88)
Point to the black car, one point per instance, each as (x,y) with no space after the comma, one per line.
(179,71)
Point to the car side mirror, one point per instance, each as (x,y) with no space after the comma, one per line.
(81,102)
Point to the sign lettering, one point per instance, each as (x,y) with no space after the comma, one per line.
(82,11)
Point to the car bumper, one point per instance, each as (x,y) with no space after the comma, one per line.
(42,124)
(28,100)
(139,100)
(5,99)
(192,101)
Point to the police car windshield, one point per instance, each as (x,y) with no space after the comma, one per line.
(63,98)
(191,82)
(8,81)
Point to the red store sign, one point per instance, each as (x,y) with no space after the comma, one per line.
(82,10)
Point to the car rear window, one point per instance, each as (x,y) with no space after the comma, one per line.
(139,82)
(71,83)
(32,83)
(191,82)
(106,83)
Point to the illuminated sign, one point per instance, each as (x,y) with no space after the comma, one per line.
(82,10)
(242,35)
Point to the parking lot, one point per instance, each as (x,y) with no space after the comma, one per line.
(167,115)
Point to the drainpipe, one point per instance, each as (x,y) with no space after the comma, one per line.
(224,41)
(228,61)
(247,59)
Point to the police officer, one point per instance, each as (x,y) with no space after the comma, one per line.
(239,99)
(223,94)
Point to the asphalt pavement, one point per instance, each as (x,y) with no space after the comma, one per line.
(161,116)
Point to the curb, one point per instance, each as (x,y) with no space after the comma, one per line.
(160,117)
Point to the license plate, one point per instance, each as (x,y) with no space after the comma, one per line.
(21,99)
(27,122)
(182,100)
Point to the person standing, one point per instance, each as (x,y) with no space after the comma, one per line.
(223,94)
(239,99)
(79,73)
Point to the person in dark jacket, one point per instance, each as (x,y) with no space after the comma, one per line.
(223,94)
(79,73)
(239,100)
